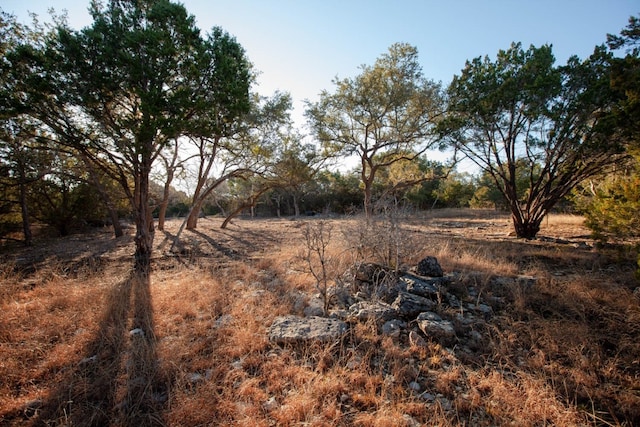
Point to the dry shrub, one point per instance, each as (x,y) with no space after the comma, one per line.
(523,399)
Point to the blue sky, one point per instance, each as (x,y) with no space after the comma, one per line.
(300,46)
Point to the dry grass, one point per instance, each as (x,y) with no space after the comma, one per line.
(563,352)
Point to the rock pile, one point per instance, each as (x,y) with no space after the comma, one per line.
(419,305)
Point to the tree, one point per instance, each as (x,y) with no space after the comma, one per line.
(139,77)
(296,165)
(237,150)
(611,203)
(387,114)
(21,155)
(520,115)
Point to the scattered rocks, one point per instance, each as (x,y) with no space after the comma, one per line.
(293,329)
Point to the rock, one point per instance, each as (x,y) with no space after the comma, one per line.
(428,396)
(429,267)
(422,287)
(636,292)
(271,404)
(393,327)
(415,386)
(409,421)
(368,310)
(293,329)
(315,308)
(137,332)
(410,305)
(416,340)
(434,326)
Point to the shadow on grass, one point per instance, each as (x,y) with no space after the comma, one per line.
(118,382)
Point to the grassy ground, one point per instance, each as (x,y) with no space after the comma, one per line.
(84,341)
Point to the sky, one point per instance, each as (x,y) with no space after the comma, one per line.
(300,46)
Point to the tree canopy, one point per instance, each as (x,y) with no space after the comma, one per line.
(520,115)
(121,89)
(387,114)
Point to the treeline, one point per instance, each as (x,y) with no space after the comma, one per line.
(105,122)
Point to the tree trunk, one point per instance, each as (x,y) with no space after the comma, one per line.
(26,224)
(524,228)
(162,213)
(296,205)
(113,213)
(232,215)
(368,211)
(249,203)
(143,218)
(192,219)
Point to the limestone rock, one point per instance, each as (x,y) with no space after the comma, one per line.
(434,326)
(293,329)
(423,286)
(393,327)
(409,305)
(372,310)
(429,267)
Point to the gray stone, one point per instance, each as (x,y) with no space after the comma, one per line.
(137,332)
(315,308)
(434,326)
(415,386)
(368,310)
(410,305)
(393,327)
(430,267)
(293,329)
(422,287)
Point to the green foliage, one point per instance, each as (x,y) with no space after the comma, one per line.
(385,115)
(535,129)
(612,204)
(121,89)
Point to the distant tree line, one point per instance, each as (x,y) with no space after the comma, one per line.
(107,122)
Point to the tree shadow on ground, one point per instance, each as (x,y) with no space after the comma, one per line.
(118,381)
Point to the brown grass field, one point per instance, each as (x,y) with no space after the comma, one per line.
(84,341)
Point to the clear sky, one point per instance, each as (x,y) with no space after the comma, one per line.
(299,46)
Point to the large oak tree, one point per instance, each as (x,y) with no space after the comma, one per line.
(387,114)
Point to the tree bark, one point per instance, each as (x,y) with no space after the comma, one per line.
(194,214)
(24,209)
(524,228)
(143,217)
